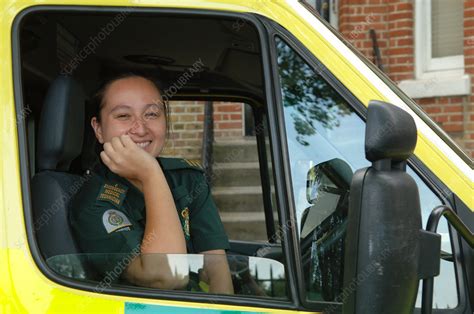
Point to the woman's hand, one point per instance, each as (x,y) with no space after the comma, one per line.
(123,157)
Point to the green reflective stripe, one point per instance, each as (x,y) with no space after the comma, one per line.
(139,308)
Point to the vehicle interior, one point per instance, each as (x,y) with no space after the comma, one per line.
(58,76)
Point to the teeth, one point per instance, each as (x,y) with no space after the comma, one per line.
(143,144)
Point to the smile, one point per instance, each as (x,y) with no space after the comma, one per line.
(143,144)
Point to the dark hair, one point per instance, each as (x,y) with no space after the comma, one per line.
(97,99)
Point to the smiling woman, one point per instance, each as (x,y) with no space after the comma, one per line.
(130,204)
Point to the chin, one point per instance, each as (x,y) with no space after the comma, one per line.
(153,151)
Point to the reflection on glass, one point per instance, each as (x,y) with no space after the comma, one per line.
(323,226)
(319,123)
(254,276)
(320,127)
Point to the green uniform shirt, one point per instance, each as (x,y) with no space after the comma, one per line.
(108,213)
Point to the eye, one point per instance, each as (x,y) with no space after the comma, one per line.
(122,116)
(152,115)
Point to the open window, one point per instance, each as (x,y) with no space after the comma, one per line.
(211,72)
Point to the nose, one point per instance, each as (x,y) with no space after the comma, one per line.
(138,127)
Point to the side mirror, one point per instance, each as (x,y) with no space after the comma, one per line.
(327,186)
(323,227)
(335,172)
(387,251)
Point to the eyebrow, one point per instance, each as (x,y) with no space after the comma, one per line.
(118,107)
(158,105)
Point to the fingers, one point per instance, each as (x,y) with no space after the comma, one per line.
(115,157)
(117,143)
(115,152)
(123,157)
(114,148)
(109,155)
(127,141)
(106,159)
(109,149)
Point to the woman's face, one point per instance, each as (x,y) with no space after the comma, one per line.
(133,106)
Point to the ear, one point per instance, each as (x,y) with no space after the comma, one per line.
(97,130)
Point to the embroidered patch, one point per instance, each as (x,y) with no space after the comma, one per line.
(115,220)
(114,194)
(185,222)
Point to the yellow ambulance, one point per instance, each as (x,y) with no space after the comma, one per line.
(352,176)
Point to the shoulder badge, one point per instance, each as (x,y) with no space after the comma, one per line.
(193,163)
(112,193)
(115,220)
(179,163)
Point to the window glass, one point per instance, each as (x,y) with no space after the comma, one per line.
(326,140)
(254,276)
(446,28)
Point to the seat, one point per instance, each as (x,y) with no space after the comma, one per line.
(60,137)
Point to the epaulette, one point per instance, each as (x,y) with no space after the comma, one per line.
(179,163)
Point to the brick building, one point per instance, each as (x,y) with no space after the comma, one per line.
(187,126)
(425,46)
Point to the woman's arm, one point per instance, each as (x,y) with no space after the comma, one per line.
(216,269)
(163,233)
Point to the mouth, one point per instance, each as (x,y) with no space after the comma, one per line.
(143,145)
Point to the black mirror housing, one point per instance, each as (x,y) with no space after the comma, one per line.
(385,243)
(390,133)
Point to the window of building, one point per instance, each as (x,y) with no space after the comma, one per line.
(439,50)
(444,43)
(327,9)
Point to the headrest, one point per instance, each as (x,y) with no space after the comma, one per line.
(390,132)
(61,125)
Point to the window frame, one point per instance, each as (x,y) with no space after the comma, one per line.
(129,292)
(427,176)
(278,31)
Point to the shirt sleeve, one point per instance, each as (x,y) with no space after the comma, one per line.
(108,237)
(93,236)
(207,231)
